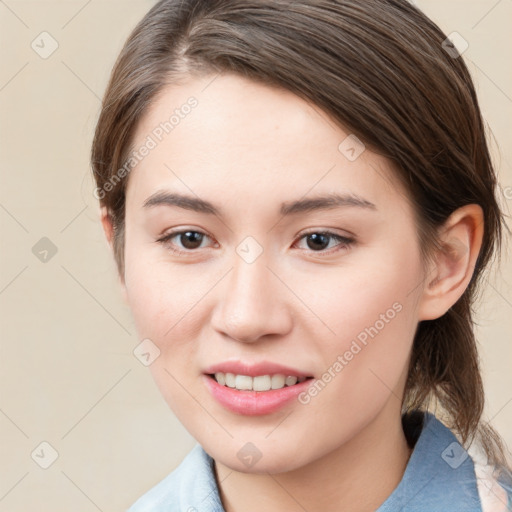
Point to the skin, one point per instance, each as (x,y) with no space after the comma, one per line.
(295,305)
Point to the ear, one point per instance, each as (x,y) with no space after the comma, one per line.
(108,229)
(449,275)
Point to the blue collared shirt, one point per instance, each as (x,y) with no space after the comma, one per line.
(439,477)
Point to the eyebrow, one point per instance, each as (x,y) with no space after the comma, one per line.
(325,202)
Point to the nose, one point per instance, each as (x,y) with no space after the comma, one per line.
(252,302)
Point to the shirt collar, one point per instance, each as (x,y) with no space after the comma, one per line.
(439,476)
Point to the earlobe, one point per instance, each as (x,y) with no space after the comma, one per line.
(124,292)
(461,240)
(108,229)
(106,222)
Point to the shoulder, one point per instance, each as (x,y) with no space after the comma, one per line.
(191,487)
(441,475)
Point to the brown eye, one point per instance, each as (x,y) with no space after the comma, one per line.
(183,241)
(190,239)
(319,241)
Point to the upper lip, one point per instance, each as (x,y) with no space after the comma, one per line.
(255,369)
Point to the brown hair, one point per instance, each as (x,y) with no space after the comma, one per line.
(377,67)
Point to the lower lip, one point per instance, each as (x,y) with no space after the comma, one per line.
(254,403)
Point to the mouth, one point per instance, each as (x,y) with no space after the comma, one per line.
(259,383)
(256,395)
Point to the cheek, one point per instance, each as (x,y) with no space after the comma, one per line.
(163,309)
(370,362)
(373,313)
(161,296)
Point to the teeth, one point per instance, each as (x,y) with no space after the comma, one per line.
(290,381)
(243,382)
(278,381)
(220,378)
(230,380)
(259,383)
(262,383)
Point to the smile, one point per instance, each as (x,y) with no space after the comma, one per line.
(257,383)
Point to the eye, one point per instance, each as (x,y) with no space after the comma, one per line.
(188,240)
(319,241)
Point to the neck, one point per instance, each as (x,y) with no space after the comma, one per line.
(357,476)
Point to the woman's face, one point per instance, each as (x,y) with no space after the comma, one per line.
(301,252)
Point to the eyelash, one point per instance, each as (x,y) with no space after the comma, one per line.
(344,242)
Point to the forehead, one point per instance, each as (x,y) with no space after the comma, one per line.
(238,141)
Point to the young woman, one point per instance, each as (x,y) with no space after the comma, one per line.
(301,203)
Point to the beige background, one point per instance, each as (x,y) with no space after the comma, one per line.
(68,375)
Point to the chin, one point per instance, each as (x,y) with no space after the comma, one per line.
(250,459)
